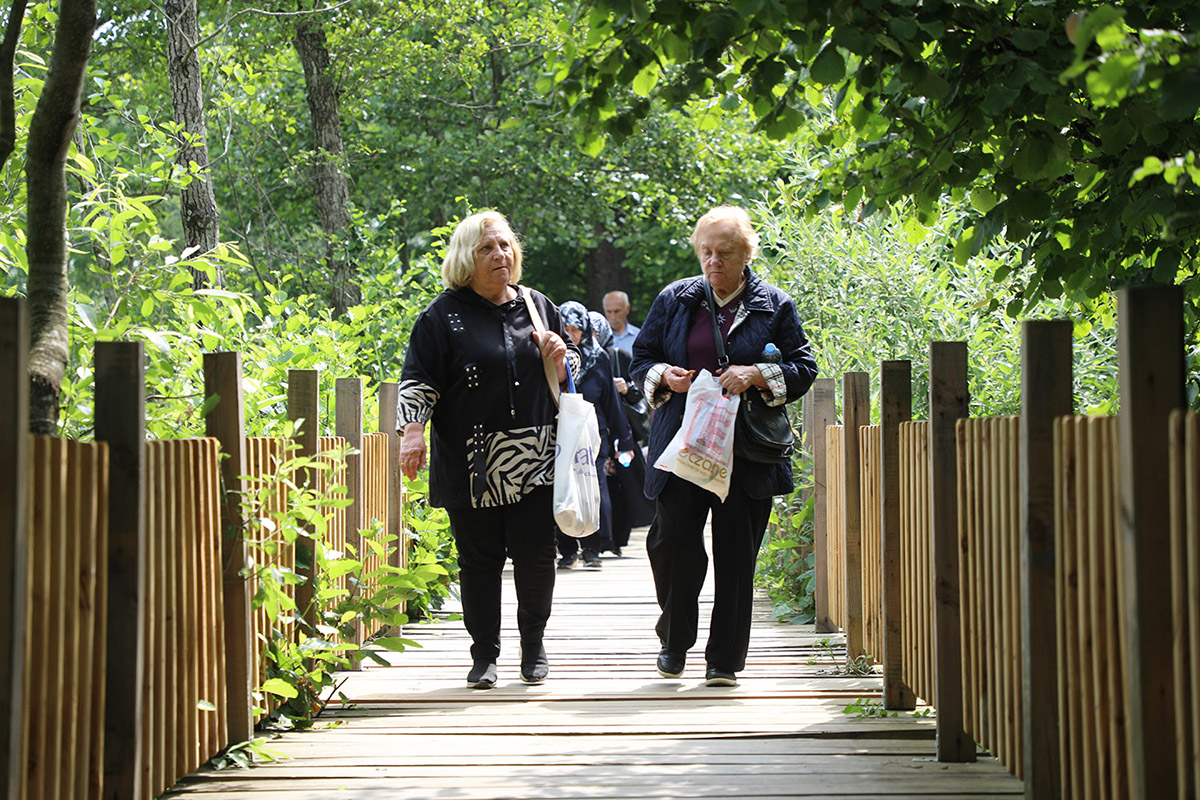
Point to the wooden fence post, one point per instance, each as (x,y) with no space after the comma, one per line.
(389,393)
(304,404)
(1150,337)
(856,412)
(895,404)
(823,416)
(14,532)
(226,423)
(948,403)
(1046,389)
(348,424)
(120,413)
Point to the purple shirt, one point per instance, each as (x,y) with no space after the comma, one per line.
(702,348)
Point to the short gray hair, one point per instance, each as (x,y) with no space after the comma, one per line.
(741,220)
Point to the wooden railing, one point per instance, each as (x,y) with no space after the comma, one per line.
(1045,590)
(130,642)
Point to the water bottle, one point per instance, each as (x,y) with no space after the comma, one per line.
(771,354)
(625,458)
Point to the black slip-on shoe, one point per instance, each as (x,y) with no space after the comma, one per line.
(534,664)
(718,677)
(670,665)
(482,674)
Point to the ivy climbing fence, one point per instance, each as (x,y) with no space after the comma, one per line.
(129,646)
(1035,579)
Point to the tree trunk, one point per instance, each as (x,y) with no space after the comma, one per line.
(332,190)
(604,269)
(198,206)
(50,132)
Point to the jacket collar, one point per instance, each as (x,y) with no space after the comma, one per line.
(757,298)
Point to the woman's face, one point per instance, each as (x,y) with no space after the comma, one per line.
(722,256)
(575,333)
(494,260)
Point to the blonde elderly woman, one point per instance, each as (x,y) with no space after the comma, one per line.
(677,340)
(474,370)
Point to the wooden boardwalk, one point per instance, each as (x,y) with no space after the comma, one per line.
(605,725)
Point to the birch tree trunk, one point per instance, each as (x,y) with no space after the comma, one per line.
(50,131)
(198,206)
(330,185)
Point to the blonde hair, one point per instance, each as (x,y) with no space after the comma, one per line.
(741,221)
(458,267)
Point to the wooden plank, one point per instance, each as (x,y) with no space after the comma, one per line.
(226,423)
(824,415)
(1150,340)
(895,407)
(1046,393)
(856,412)
(948,402)
(36,692)
(304,410)
(1192,598)
(100,547)
(389,395)
(348,412)
(14,532)
(120,421)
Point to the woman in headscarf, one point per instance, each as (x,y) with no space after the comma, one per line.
(595,383)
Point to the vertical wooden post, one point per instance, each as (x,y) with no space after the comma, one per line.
(1046,387)
(348,424)
(1150,339)
(895,407)
(856,412)
(304,407)
(121,422)
(14,535)
(823,416)
(226,423)
(389,393)
(948,403)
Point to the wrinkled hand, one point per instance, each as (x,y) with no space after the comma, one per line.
(678,379)
(554,348)
(412,450)
(738,378)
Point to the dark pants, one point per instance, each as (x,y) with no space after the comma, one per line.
(522,531)
(675,544)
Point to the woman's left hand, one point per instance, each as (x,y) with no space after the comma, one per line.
(554,348)
(737,378)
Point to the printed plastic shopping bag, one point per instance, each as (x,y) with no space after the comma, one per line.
(576,484)
(702,450)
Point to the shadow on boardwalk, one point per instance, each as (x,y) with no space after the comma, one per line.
(605,725)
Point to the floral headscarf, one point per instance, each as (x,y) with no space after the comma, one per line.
(604,334)
(574,314)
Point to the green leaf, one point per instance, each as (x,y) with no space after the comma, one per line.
(1028,39)
(280,688)
(828,67)
(394,643)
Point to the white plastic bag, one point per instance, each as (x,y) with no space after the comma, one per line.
(576,484)
(702,450)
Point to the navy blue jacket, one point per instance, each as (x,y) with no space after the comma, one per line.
(770,316)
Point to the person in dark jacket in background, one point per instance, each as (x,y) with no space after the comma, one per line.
(595,382)
(675,343)
(475,370)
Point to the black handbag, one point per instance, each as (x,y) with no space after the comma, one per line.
(762,433)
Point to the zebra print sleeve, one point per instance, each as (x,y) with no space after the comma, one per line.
(414,403)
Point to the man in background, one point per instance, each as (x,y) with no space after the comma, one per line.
(616,309)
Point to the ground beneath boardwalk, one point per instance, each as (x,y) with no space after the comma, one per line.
(605,725)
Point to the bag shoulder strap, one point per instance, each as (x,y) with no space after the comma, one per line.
(540,327)
(722,359)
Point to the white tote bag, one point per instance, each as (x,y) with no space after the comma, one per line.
(702,449)
(576,484)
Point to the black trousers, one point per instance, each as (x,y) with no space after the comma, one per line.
(523,531)
(675,545)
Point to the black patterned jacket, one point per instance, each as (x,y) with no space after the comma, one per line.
(474,371)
